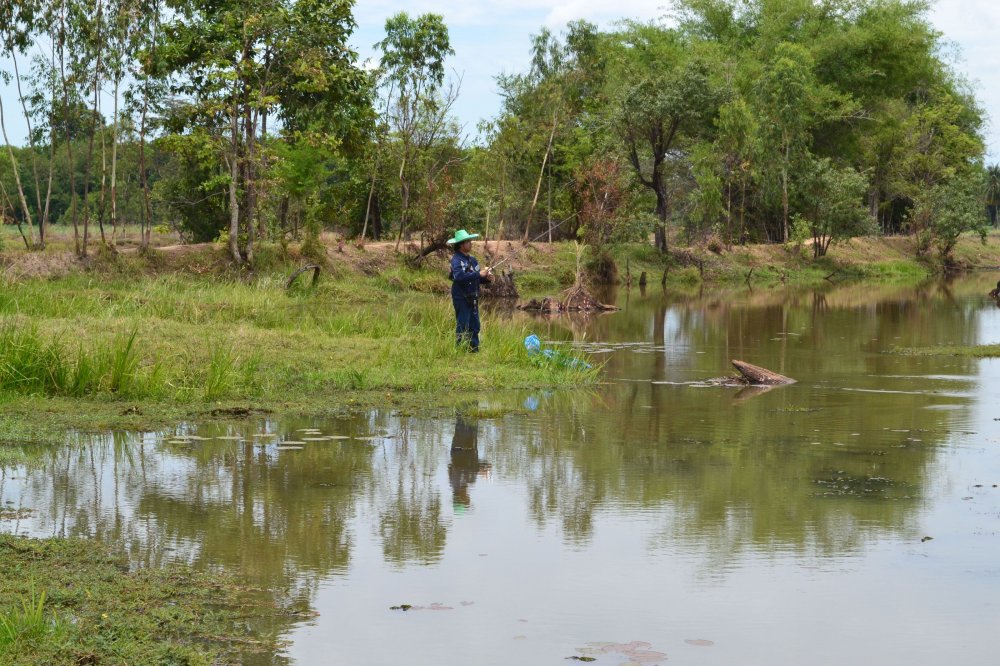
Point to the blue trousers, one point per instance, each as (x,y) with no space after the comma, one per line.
(467,318)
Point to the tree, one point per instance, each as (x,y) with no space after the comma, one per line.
(242,63)
(738,143)
(953,207)
(412,76)
(993,192)
(18,22)
(789,99)
(939,142)
(665,98)
(833,204)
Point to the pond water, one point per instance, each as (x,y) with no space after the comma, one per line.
(652,518)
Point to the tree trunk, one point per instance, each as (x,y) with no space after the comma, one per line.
(660,234)
(368,210)
(500,209)
(250,192)
(541,175)
(404,195)
(114,170)
(784,194)
(31,146)
(234,201)
(102,206)
(283,215)
(377,230)
(548,212)
(30,240)
(69,141)
(93,131)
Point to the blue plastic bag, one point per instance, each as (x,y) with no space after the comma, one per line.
(534,346)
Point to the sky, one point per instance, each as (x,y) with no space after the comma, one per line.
(493,36)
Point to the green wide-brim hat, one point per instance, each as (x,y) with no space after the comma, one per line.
(461,236)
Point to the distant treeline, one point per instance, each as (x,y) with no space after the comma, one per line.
(733,120)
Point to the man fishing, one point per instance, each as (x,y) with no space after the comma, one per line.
(466,275)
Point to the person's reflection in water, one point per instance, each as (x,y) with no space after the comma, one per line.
(465,465)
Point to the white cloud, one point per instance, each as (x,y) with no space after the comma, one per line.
(972,27)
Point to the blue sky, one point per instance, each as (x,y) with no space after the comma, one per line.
(492,36)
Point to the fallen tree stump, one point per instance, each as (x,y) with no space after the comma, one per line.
(575,299)
(758,376)
(501,285)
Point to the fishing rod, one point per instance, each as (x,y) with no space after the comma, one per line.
(547,231)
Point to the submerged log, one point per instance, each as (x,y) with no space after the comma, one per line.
(757,376)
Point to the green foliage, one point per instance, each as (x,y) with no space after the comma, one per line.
(28,624)
(833,204)
(254,121)
(953,208)
(993,193)
(193,184)
(119,614)
(30,364)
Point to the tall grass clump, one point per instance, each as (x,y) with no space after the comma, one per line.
(32,365)
(227,373)
(29,623)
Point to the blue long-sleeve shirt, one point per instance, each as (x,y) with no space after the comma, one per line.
(465,276)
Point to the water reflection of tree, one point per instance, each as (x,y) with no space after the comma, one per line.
(273,515)
(406,498)
(782,469)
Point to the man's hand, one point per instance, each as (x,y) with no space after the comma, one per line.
(485,272)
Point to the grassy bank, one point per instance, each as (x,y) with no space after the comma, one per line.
(876,259)
(68,601)
(972,351)
(138,345)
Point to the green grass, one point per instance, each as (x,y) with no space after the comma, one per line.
(67,601)
(970,351)
(29,623)
(182,339)
(32,363)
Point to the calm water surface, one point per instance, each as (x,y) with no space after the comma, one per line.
(653,518)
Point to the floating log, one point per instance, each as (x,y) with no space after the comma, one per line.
(757,376)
